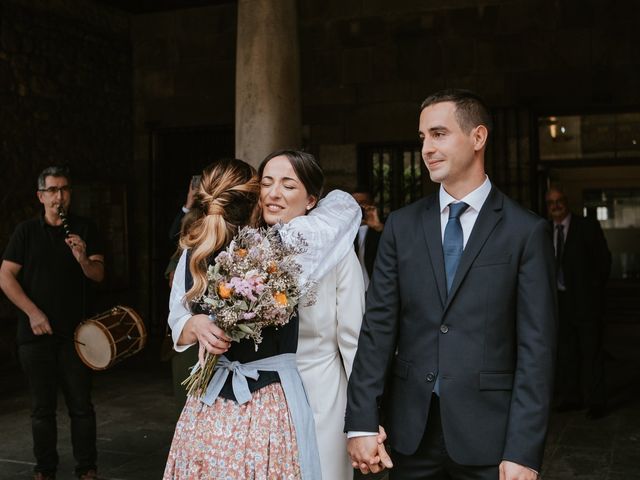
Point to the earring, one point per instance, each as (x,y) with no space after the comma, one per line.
(308,207)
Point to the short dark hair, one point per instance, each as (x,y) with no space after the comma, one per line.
(53,171)
(471,110)
(306,167)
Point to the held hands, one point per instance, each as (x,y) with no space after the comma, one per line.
(513,471)
(368,453)
(40,323)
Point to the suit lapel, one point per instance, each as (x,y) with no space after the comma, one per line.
(489,216)
(433,236)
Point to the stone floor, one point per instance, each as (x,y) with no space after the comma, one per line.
(136,413)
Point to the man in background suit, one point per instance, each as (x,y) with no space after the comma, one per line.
(366,242)
(176,227)
(583,268)
(461,307)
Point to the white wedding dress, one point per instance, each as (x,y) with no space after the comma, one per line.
(326,348)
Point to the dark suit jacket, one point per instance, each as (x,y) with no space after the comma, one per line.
(586,263)
(371,241)
(176,225)
(492,339)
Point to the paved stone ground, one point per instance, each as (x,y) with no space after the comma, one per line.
(136,413)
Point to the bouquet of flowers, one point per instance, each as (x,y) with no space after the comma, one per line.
(253,284)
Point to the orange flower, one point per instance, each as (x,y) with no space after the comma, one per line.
(224,291)
(272,268)
(241,252)
(280,298)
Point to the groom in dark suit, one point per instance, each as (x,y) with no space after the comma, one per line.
(461,313)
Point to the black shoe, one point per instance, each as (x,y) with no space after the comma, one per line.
(596,412)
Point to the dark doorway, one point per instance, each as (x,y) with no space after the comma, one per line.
(176,155)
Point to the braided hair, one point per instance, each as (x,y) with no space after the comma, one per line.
(226,200)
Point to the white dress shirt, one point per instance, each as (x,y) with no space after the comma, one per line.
(475,200)
(566,223)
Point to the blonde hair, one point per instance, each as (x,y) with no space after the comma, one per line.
(226,199)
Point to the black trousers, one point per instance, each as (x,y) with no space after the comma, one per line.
(580,376)
(431,461)
(50,365)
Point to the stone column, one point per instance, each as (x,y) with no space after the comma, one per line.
(267,79)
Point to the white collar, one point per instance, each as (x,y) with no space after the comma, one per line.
(565,222)
(474,199)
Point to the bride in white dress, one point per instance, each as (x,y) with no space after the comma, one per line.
(291,183)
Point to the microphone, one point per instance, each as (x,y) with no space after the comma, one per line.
(65,221)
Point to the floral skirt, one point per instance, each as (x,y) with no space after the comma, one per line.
(256,440)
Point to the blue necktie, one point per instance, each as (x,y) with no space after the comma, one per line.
(453,241)
(452,245)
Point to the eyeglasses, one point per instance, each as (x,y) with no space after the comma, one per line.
(55,190)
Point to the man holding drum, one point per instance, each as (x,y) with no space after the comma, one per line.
(44,272)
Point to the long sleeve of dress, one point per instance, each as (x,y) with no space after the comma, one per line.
(178,311)
(329,231)
(349,308)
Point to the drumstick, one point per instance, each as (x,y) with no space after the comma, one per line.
(66,337)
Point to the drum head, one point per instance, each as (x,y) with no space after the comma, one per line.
(96,351)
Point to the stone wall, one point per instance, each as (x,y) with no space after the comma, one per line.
(184,88)
(367,65)
(84,85)
(66,98)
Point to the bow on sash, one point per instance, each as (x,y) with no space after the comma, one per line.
(239,383)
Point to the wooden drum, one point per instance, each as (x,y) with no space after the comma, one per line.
(110,337)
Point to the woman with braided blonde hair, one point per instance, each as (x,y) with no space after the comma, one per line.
(226,199)
(272,434)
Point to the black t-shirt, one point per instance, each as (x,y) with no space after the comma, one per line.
(50,275)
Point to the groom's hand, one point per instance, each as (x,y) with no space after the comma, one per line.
(364,454)
(385,459)
(513,471)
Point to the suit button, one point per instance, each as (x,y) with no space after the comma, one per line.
(430,377)
(444,328)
